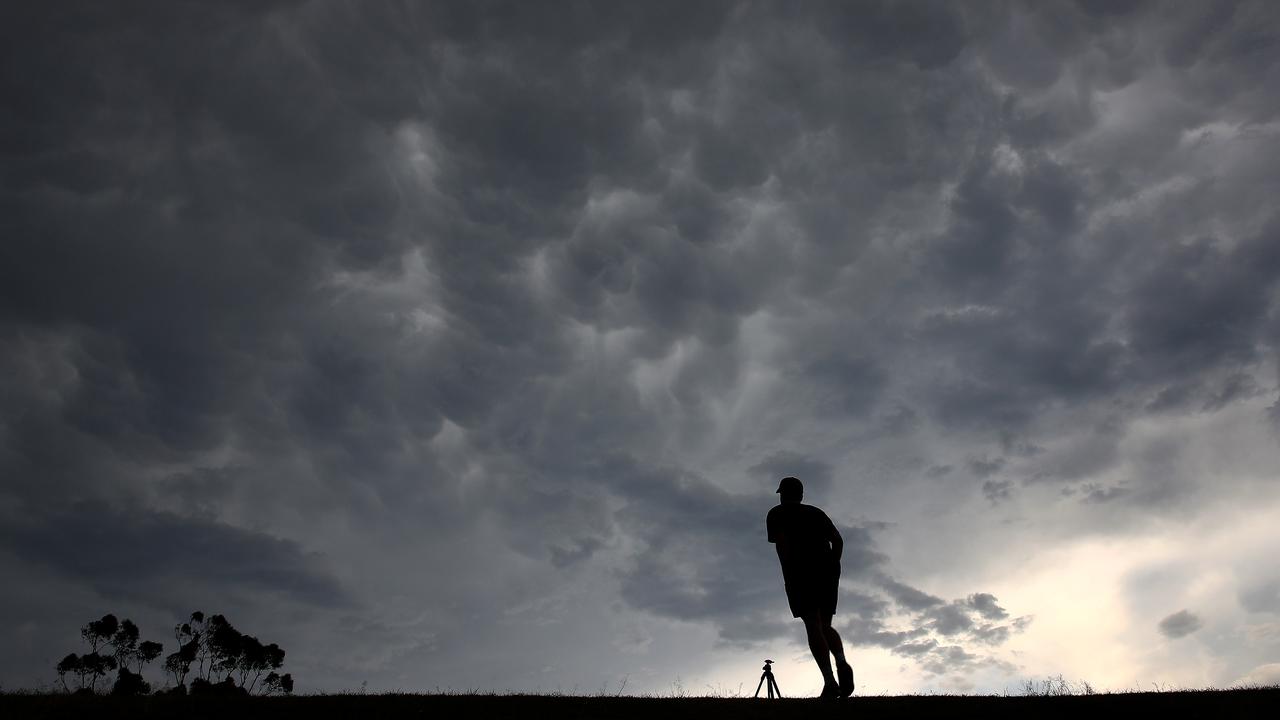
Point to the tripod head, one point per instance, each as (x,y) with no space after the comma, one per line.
(766,667)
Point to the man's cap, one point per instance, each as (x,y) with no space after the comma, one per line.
(790,484)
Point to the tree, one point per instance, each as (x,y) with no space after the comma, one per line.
(245,657)
(147,652)
(125,649)
(256,658)
(212,655)
(130,683)
(226,646)
(124,643)
(112,645)
(95,666)
(275,683)
(188,635)
(69,665)
(99,632)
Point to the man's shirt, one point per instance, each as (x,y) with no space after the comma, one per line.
(806,532)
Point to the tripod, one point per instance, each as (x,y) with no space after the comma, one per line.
(767,675)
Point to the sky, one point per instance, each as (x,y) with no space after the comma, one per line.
(462,345)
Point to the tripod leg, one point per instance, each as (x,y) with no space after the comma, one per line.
(775,686)
(770,688)
(758,686)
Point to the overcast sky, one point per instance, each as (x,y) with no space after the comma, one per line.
(462,345)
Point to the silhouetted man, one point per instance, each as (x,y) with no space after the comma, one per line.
(809,548)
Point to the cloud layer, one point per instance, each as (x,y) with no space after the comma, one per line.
(399,320)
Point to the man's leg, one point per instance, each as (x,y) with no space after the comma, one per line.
(842,665)
(816,625)
(834,643)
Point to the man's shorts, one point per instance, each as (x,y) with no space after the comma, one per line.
(813,594)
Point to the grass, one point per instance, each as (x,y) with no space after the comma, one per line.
(1052,698)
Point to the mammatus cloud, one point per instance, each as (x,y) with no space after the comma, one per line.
(477,316)
(1179,624)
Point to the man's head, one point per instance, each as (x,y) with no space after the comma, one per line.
(791,490)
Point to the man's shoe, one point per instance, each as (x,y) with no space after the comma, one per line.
(830,691)
(845,671)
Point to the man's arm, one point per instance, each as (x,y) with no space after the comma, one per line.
(837,542)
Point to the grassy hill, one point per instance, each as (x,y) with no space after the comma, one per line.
(1252,703)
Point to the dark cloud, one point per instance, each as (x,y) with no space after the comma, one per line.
(1237,386)
(950,619)
(984,468)
(815,474)
(910,598)
(1261,597)
(1179,624)
(700,554)
(1200,305)
(987,606)
(997,490)
(691,538)
(867,605)
(583,548)
(483,289)
(1014,446)
(695,563)
(875,634)
(1095,493)
(156,556)
(949,658)
(933,622)
(915,649)
(991,634)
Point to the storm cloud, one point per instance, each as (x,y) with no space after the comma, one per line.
(465,344)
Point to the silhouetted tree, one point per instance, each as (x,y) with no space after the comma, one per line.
(69,665)
(212,655)
(147,651)
(124,642)
(95,666)
(130,683)
(215,655)
(112,645)
(91,666)
(188,635)
(270,659)
(226,646)
(99,632)
(127,649)
(257,658)
(276,683)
